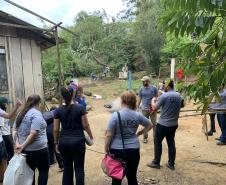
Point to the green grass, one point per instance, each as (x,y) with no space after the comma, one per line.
(113,88)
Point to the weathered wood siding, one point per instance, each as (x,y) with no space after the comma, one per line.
(16,61)
(23,66)
(27,67)
(37,68)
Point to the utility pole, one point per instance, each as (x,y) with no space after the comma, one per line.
(55,31)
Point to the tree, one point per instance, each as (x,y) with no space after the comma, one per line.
(99,43)
(106,43)
(149,40)
(205,22)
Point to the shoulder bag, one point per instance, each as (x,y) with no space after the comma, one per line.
(115,168)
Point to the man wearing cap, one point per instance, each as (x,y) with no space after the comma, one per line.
(146,93)
(170,104)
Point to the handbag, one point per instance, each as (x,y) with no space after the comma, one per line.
(115,168)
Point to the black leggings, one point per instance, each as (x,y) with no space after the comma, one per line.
(39,159)
(73,157)
(132,162)
(9,146)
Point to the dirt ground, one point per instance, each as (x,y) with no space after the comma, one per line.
(192,150)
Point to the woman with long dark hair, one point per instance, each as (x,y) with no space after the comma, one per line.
(71,143)
(30,136)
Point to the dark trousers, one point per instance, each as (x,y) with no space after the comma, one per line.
(221,117)
(39,159)
(73,155)
(132,161)
(9,146)
(3,152)
(160,133)
(51,147)
(212,122)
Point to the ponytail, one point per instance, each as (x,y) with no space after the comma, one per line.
(67,94)
(30,103)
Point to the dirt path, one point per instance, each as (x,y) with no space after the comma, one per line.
(192,148)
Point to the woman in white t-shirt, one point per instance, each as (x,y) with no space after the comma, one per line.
(6,132)
(4,115)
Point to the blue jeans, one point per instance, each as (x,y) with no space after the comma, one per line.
(221,117)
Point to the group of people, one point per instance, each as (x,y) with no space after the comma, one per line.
(165,127)
(66,124)
(38,135)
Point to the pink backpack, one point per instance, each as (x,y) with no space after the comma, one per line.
(114,168)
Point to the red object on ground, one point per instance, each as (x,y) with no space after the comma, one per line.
(180,74)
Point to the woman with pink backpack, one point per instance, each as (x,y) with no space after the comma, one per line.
(122,141)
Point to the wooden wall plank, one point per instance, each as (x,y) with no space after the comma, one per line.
(37,68)
(9,69)
(27,67)
(17,68)
(2,41)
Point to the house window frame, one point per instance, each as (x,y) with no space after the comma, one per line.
(6,90)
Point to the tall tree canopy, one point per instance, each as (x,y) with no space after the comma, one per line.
(205,22)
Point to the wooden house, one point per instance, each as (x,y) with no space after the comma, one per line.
(20,57)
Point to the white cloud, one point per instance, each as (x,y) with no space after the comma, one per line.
(60,10)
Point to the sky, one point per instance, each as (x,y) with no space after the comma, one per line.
(60,10)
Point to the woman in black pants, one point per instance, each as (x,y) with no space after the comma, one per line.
(73,119)
(49,116)
(30,136)
(130,120)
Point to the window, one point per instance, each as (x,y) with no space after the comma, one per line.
(3,71)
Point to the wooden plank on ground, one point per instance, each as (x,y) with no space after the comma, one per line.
(27,67)
(17,69)
(37,69)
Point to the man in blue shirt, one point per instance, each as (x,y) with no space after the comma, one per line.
(170,104)
(221,116)
(146,93)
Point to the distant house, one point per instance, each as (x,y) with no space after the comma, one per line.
(20,57)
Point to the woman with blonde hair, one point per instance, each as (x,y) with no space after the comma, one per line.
(130,121)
